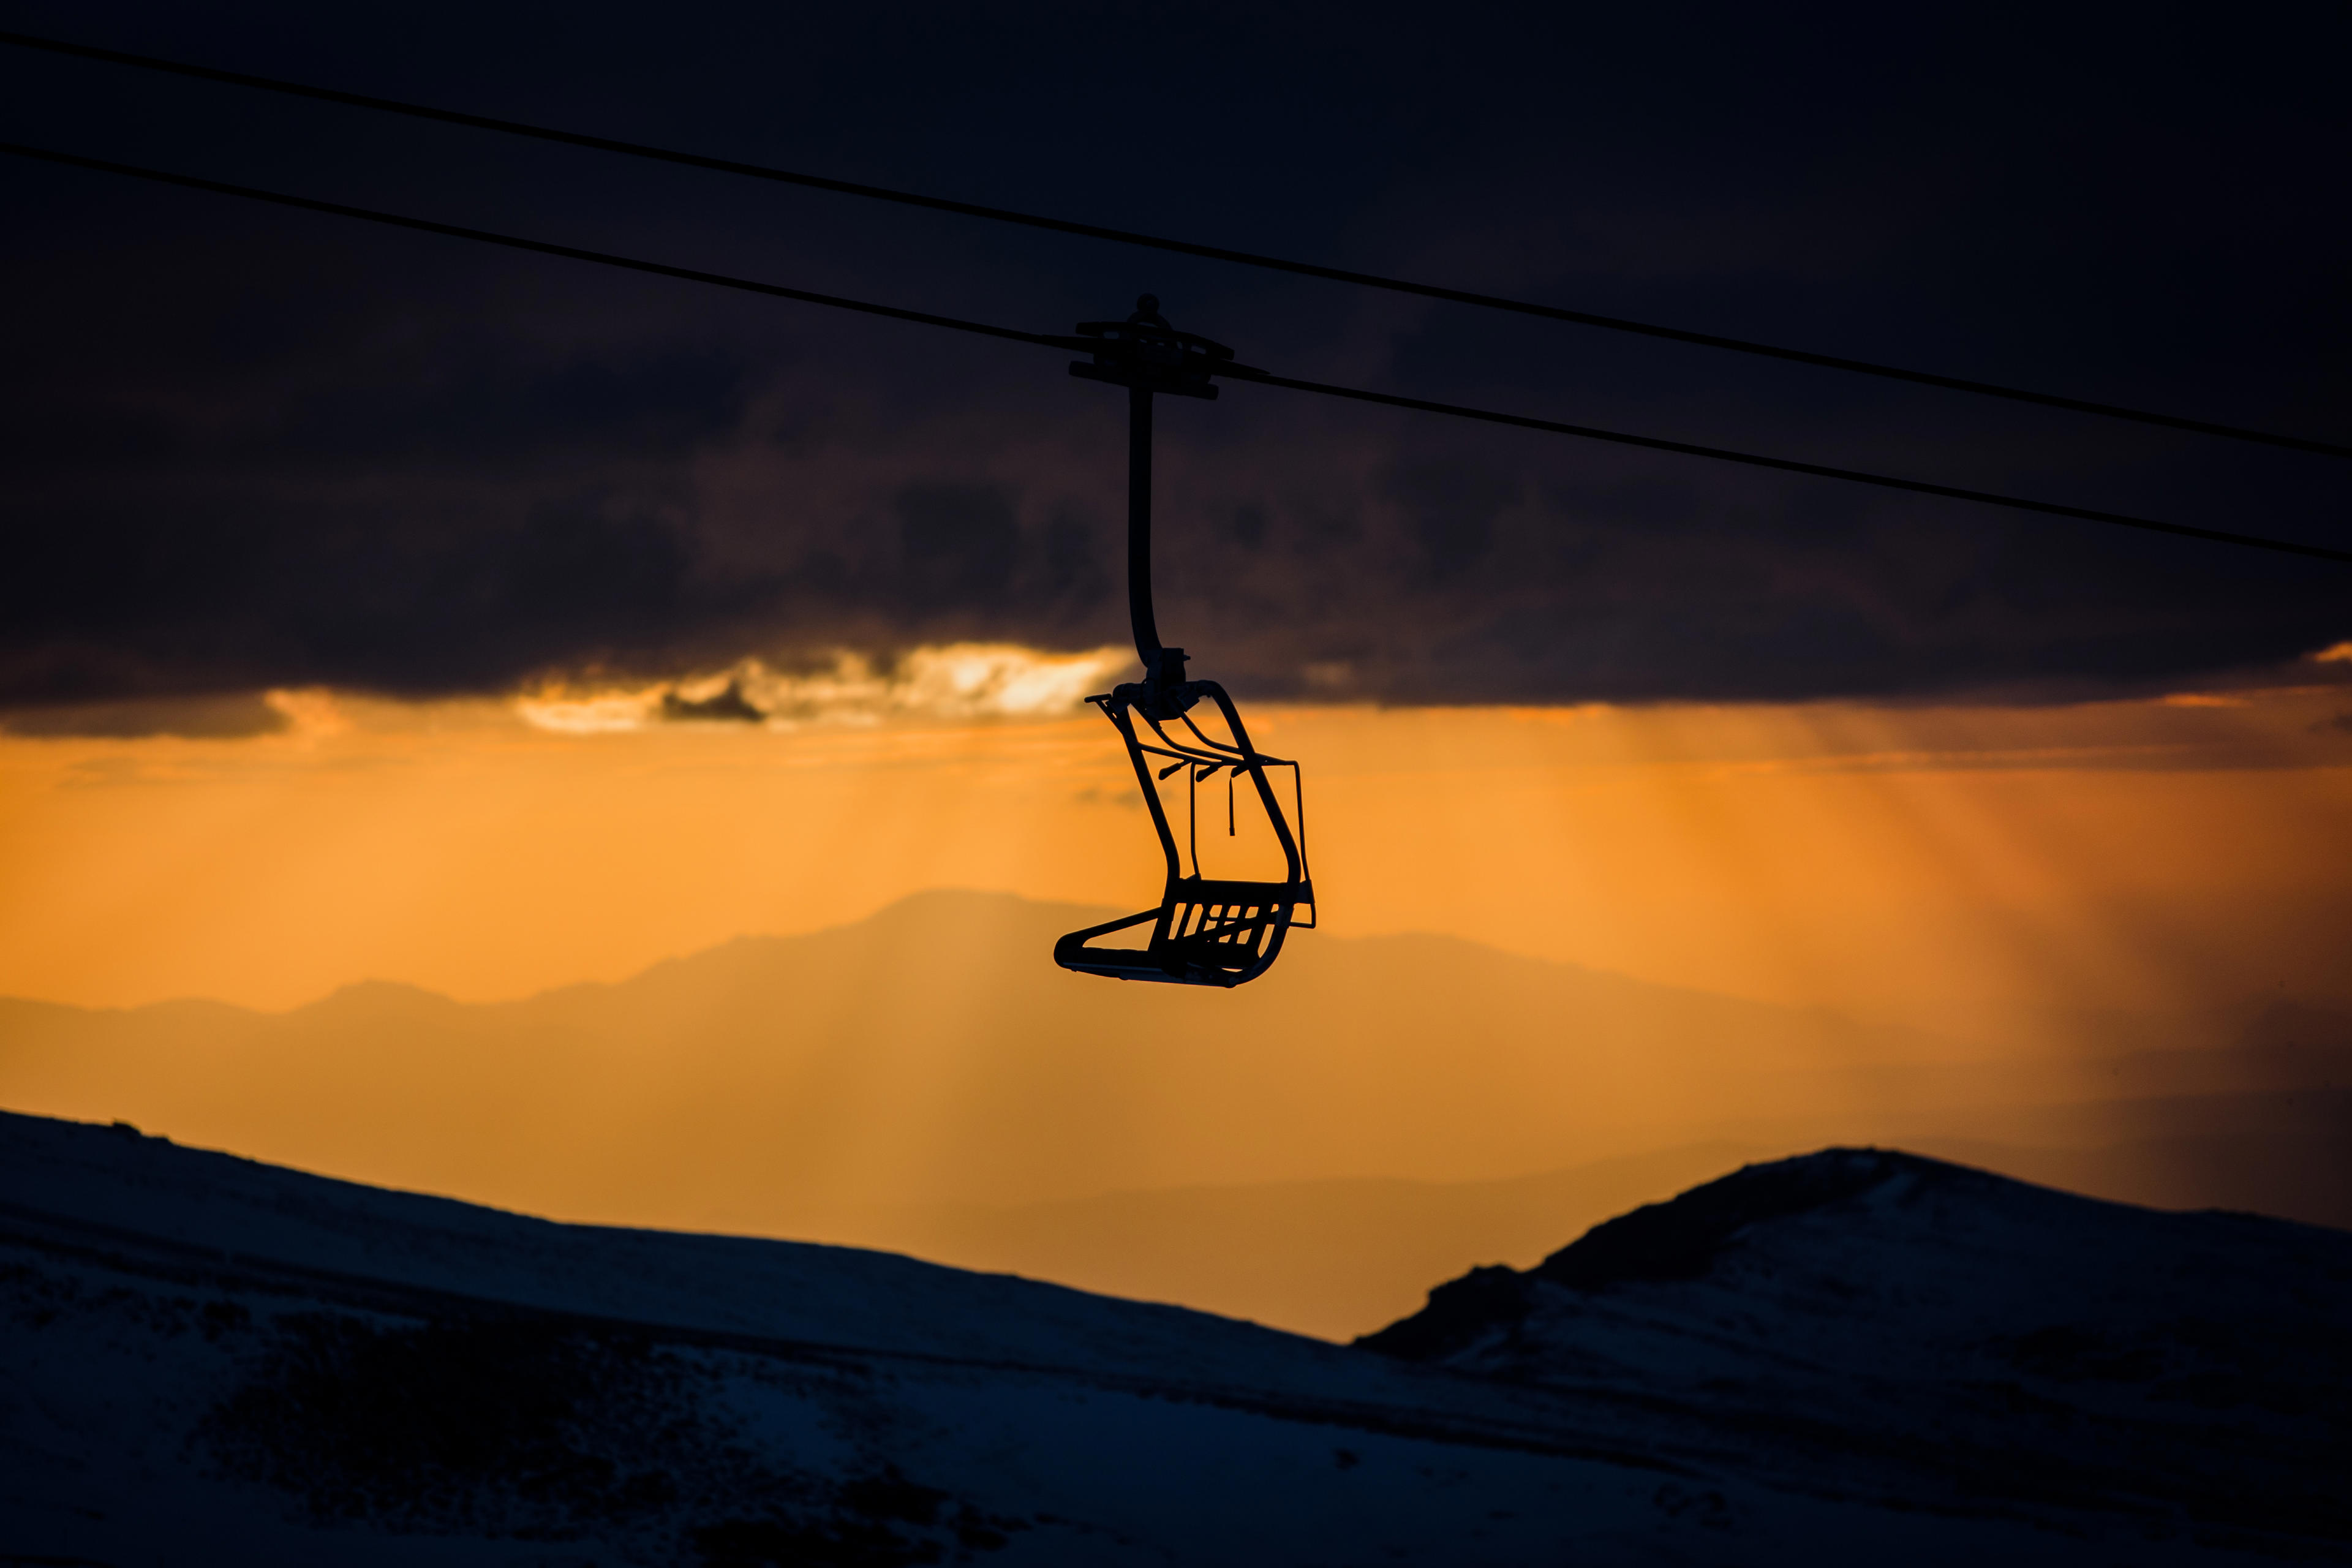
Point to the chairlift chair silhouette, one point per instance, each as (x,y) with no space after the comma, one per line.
(1204,930)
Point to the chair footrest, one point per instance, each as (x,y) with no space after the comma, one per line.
(1204,933)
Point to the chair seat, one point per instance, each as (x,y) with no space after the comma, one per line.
(1204,933)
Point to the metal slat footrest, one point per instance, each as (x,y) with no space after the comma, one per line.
(1204,933)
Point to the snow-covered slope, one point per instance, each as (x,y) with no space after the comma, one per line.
(1870,1320)
(210,1359)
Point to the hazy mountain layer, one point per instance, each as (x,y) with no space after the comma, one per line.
(934,1053)
(1335,1259)
(1310,1152)
(213,1360)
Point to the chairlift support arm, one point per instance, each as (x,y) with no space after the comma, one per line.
(1205,931)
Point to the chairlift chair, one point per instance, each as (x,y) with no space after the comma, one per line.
(1204,930)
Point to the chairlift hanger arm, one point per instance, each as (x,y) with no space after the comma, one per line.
(1206,932)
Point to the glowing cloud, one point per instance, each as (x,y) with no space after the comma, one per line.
(602,713)
(955,682)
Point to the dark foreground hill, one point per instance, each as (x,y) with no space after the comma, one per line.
(1851,1357)
(2192,1371)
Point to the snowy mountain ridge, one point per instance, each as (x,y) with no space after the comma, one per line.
(2019,1340)
(210,1359)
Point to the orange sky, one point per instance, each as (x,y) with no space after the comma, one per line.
(1946,864)
(1983,873)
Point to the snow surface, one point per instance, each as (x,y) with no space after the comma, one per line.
(1887,1320)
(209,1359)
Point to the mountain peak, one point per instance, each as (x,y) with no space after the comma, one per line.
(378,996)
(1855,1304)
(1679,1239)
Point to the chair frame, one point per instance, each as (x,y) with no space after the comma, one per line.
(1204,932)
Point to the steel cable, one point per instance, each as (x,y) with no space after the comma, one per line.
(1238,372)
(1179,246)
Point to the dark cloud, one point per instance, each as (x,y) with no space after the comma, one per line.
(236,716)
(339,591)
(247,449)
(728,706)
(959,545)
(1451,507)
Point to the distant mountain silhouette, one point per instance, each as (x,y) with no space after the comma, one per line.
(1854,1356)
(1330,1257)
(1309,1150)
(934,1053)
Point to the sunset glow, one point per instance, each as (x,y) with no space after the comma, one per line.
(1896,861)
(1177,785)
(1954,915)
